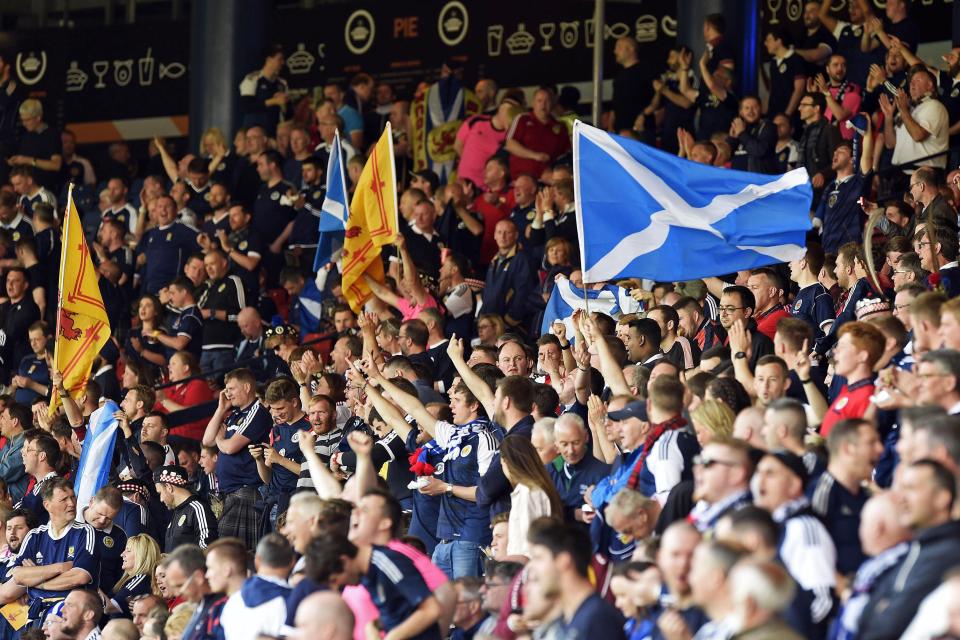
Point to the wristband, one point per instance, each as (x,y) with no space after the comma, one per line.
(565,348)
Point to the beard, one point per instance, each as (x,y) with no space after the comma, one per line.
(499,417)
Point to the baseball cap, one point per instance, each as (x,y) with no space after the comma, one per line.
(636,409)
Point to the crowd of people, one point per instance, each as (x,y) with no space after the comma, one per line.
(761,454)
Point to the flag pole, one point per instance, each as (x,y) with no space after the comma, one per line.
(64,244)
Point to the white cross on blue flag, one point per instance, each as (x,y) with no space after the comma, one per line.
(335,210)
(643,213)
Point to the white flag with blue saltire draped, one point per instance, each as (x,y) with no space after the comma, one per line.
(644,213)
(566,298)
(93,471)
(335,209)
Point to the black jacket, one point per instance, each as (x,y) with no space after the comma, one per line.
(898,594)
(191,523)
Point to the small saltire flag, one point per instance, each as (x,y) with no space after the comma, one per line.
(372,223)
(333,213)
(643,213)
(94,469)
(82,324)
(566,298)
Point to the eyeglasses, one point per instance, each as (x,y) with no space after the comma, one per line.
(706,463)
(729,309)
(896,271)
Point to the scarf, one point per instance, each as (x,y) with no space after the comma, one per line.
(677,422)
(419,459)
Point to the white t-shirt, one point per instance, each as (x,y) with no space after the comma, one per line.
(932,116)
(526,505)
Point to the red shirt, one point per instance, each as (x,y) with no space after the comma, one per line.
(851,402)
(767,321)
(190,395)
(548,137)
(492,214)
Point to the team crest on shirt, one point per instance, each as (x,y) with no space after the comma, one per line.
(71,551)
(169,237)
(222,287)
(531,214)
(243,245)
(832,200)
(16,236)
(31,369)
(955,92)
(222,166)
(296,437)
(465,451)
(39,558)
(108,542)
(182,519)
(842,402)
(438,470)
(317,194)
(782,67)
(797,305)
(275,195)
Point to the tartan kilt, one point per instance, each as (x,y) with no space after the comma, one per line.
(239,518)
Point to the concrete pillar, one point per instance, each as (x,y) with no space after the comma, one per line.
(227,40)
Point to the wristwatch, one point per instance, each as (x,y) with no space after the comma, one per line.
(449,490)
(740,355)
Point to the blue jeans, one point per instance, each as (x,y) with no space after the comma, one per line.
(459,558)
(216,359)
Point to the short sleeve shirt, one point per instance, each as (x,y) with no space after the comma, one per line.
(548,137)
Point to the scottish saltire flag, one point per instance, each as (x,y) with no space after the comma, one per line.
(643,213)
(566,298)
(97,454)
(334,212)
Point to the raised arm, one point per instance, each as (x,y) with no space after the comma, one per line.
(612,373)
(381,291)
(323,481)
(407,403)
(475,383)
(169,164)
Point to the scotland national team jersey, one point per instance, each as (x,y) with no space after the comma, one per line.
(669,461)
(397,589)
(238,470)
(76,544)
(815,307)
(285,438)
(110,544)
(470,449)
(840,512)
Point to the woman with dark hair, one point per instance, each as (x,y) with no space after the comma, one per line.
(140,345)
(187,392)
(137,372)
(534,495)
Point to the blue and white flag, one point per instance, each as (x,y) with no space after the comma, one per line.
(643,213)
(566,298)
(97,454)
(335,209)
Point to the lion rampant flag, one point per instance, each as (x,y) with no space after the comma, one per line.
(82,324)
(372,224)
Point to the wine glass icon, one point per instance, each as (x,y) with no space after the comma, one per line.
(100,68)
(547,29)
(774,6)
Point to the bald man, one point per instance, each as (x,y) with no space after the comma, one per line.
(120,629)
(323,616)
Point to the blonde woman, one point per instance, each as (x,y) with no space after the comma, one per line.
(139,561)
(711,419)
